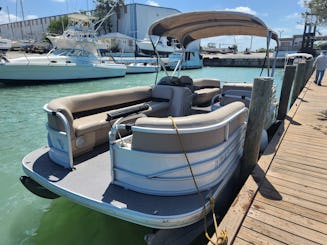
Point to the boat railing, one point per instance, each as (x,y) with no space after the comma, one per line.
(114,132)
(66,134)
(28,61)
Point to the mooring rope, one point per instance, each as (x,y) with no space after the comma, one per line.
(222,238)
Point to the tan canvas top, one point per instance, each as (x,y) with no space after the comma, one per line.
(187,27)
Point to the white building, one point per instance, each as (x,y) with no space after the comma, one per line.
(137,18)
(123,43)
(291,44)
(28,29)
(134,21)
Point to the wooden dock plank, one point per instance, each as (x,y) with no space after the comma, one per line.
(310,149)
(294,208)
(305,135)
(297,177)
(272,232)
(288,226)
(306,163)
(301,157)
(303,191)
(284,200)
(240,241)
(286,215)
(303,171)
(253,237)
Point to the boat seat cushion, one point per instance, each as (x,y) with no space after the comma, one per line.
(204,96)
(204,90)
(98,121)
(206,83)
(158,106)
(91,101)
(149,142)
(87,113)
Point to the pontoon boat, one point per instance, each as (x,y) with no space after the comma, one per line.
(156,155)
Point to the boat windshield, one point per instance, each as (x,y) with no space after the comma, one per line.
(71,52)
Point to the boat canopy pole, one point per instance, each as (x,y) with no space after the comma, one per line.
(267,52)
(267,58)
(158,56)
(275,58)
(179,63)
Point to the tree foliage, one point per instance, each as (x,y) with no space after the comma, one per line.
(318,8)
(321,46)
(103,7)
(58,26)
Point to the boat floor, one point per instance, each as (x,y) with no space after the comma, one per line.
(89,184)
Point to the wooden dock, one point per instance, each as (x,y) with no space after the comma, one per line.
(284,200)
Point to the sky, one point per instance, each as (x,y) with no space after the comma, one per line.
(282,16)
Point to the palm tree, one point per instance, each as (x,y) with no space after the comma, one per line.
(102,9)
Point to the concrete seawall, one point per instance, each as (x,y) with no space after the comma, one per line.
(240,60)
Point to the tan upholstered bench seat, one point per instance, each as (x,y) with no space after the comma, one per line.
(204,95)
(147,141)
(204,90)
(97,121)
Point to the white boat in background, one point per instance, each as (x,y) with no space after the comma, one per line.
(137,68)
(5,44)
(295,58)
(189,58)
(159,155)
(119,45)
(212,49)
(57,65)
(163,45)
(22,45)
(76,56)
(80,31)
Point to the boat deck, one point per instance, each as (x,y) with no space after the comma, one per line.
(89,185)
(284,201)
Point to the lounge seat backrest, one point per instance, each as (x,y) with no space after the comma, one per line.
(181,102)
(154,142)
(180,98)
(204,90)
(162,92)
(91,103)
(206,83)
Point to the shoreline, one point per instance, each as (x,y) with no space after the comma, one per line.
(211,60)
(241,60)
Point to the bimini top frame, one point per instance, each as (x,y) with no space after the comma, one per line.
(187,27)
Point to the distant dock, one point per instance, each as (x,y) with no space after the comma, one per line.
(284,200)
(240,60)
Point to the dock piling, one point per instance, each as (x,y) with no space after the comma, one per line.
(286,91)
(309,69)
(260,100)
(298,81)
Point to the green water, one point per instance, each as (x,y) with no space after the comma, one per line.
(28,219)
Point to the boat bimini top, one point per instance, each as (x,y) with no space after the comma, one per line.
(187,27)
